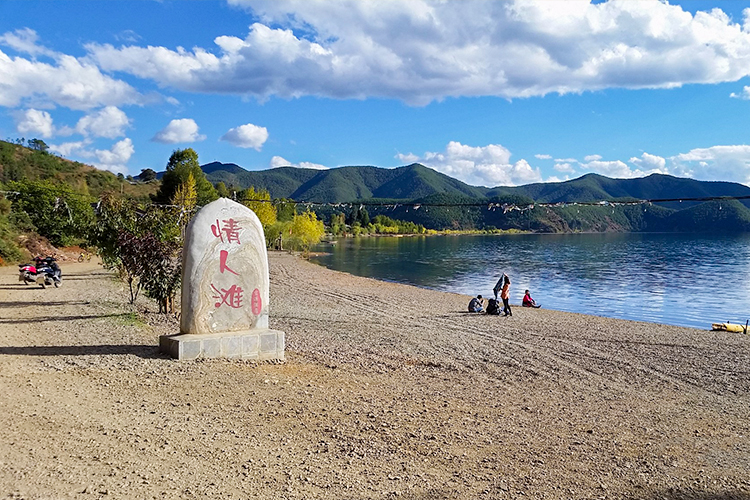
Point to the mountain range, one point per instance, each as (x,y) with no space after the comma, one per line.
(446,202)
(415,181)
(450,203)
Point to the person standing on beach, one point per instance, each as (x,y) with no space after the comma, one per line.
(499,284)
(505,295)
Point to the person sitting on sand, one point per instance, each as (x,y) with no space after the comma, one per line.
(476,304)
(529,302)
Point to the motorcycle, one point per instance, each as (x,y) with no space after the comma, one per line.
(48,272)
(27,273)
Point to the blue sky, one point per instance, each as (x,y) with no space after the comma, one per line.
(489,92)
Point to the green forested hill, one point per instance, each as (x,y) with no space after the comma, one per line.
(594,187)
(18,163)
(344,184)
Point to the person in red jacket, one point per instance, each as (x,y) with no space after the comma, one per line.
(528,301)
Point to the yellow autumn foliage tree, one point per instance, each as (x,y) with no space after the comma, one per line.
(186,195)
(264,209)
(305,231)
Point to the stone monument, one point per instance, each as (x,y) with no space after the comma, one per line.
(225,288)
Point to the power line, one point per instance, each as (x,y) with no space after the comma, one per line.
(501,205)
(490,205)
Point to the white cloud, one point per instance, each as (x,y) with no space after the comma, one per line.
(182,130)
(33,121)
(128,36)
(744,95)
(114,159)
(726,163)
(480,166)
(419,50)
(68,149)
(564,167)
(278,161)
(246,136)
(24,40)
(109,122)
(69,82)
(729,163)
(650,162)
(543,157)
(616,169)
(566,160)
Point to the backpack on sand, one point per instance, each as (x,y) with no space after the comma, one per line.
(493,307)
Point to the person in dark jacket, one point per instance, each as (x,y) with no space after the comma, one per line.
(476,305)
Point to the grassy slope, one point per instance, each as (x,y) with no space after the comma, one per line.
(21,163)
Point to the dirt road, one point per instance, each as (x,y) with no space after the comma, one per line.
(388,391)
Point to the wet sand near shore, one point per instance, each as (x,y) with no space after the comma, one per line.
(388,391)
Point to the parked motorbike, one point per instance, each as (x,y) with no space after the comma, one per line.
(27,273)
(48,272)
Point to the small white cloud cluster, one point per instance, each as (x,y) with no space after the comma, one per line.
(479,166)
(182,130)
(729,163)
(114,159)
(34,122)
(278,161)
(246,136)
(490,165)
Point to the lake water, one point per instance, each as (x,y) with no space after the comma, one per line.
(676,279)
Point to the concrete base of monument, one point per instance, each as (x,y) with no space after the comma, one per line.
(249,344)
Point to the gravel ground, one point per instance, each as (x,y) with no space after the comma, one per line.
(388,391)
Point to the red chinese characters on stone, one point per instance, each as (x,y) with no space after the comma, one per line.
(231,297)
(223,254)
(230,230)
(256,303)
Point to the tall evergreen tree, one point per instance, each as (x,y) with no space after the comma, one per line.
(182,163)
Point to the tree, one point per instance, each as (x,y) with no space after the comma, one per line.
(338,223)
(260,203)
(147,174)
(364,217)
(55,210)
(222,191)
(143,244)
(305,231)
(182,163)
(358,214)
(38,145)
(285,209)
(186,196)
(162,270)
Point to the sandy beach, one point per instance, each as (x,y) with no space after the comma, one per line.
(387,391)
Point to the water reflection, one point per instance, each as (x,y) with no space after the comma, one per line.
(684,280)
